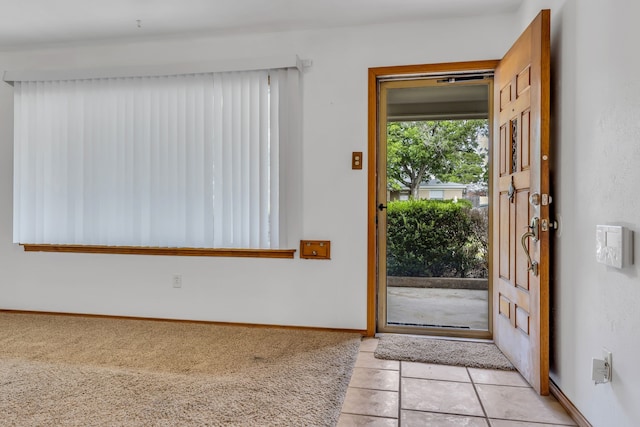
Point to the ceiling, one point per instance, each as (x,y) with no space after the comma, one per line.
(25,23)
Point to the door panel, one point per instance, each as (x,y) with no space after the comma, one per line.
(503,150)
(522,222)
(525,121)
(521,129)
(505,266)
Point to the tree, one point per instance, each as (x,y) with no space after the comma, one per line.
(446,149)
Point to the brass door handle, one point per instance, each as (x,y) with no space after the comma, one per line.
(532,232)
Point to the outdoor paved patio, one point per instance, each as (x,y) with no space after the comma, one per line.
(466,308)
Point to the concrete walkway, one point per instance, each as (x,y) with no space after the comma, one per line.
(462,308)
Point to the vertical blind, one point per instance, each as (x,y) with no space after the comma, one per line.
(165,161)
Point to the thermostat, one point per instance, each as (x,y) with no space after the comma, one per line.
(614,245)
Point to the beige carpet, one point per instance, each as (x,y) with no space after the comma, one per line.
(442,352)
(84,371)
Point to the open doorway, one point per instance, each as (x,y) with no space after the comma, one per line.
(520,220)
(432,195)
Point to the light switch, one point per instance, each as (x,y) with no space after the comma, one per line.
(614,245)
(356,160)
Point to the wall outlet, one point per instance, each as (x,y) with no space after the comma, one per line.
(601,369)
(176,280)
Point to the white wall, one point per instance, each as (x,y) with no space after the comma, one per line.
(596,132)
(287,292)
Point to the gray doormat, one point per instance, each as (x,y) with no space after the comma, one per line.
(442,352)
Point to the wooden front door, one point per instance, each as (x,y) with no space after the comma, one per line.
(521,200)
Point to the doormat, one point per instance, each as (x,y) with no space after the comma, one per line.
(442,352)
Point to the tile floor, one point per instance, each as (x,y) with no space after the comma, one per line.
(392,393)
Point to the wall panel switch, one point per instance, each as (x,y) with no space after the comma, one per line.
(614,245)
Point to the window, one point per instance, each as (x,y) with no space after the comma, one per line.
(436,194)
(191,160)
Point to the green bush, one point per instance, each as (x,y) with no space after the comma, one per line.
(434,238)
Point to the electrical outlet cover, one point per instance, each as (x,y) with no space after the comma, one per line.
(598,371)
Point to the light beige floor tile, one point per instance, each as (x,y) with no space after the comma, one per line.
(376,403)
(350,420)
(507,423)
(375,379)
(434,372)
(367,360)
(369,344)
(421,419)
(496,377)
(440,396)
(521,404)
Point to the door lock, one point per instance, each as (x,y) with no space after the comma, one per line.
(534,199)
(546,225)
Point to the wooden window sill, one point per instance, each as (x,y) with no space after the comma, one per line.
(139,250)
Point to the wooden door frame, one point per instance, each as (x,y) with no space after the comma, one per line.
(375,74)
